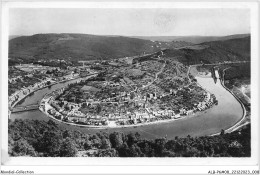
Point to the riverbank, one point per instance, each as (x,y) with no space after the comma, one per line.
(45,102)
(112,123)
(25,96)
(223,116)
(30,93)
(123,126)
(237,124)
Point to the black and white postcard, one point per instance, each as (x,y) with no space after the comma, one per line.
(148,87)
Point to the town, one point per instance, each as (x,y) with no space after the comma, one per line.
(115,93)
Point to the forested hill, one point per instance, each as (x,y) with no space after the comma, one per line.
(76,46)
(81,46)
(212,52)
(41,138)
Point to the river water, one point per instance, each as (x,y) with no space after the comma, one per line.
(222,116)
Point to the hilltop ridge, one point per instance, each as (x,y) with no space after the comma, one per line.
(81,46)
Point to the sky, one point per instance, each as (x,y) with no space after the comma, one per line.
(130,22)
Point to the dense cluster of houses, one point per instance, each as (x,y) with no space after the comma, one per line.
(34,67)
(20,94)
(70,112)
(14,79)
(30,69)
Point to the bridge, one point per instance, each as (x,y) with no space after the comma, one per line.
(25,108)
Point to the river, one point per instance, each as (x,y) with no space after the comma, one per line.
(222,116)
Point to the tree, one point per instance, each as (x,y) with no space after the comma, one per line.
(84,105)
(105,144)
(146,148)
(87,144)
(116,139)
(124,151)
(132,95)
(66,134)
(10,144)
(159,146)
(131,139)
(135,151)
(168,154)
(41,138)
(191,152)
(50,143)
(96,143)
(98,109)
(78,100)
(22,148)
(52,124)
(222,132)
(68,148)
(137,136)
(107,153)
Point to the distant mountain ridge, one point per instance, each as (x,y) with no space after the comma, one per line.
(14,36)
(93,47)
(82,46)
(236,49)
(191,39)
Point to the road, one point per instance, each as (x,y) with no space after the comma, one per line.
(156,76)
(238,124)
(240,90)
(25,108)
(211,64)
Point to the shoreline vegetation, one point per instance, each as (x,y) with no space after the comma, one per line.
(46,139)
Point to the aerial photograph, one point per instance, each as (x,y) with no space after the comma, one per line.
(132,82)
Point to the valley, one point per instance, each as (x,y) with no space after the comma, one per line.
(166,91)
